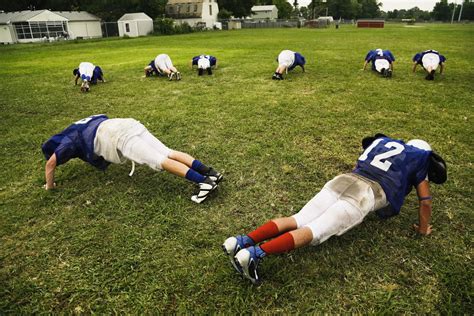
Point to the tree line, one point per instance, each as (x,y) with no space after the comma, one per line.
(112,10)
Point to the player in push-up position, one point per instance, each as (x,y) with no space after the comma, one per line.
(89,73)
(161,66)
(429,60)
(287,61)
(382,61)
(383,176)
(204,63)
(100,141)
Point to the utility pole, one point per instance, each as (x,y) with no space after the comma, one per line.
(460,12)
(454,11)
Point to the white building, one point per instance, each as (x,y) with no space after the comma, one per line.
(194,12)
(35,26)
(263,12)
(135,24)
(82,24)
(31,26)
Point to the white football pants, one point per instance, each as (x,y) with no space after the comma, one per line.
(431,61)
(163,62)
(204,63)
(340,205)
(381,64)
(145,149)
(286,58)
(86,70)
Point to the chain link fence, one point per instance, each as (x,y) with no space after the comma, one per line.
(109,29)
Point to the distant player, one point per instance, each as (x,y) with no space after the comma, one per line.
(89,74)
(204,63)
(382,61)
(162,66)
(385,173)
(287,61)
(100,141)
(429,60)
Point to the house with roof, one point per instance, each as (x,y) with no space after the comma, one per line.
(264,12)
(135,24)
(194,12)
(82,24)
(35,26)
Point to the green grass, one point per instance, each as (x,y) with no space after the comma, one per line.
(107,243)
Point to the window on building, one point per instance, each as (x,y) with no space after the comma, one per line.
(210,9)
(189,8)
(127,27)
(25,30)
(195,8)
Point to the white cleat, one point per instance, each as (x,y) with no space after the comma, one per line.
(205,188)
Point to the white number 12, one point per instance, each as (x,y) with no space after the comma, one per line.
(377,161)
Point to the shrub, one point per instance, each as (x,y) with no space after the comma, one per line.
(164,26)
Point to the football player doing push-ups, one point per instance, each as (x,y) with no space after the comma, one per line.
(382,61)
(429,60)
(161,66)
(204,63)
(100,141)
(89,73)
(384,175)
(287,61)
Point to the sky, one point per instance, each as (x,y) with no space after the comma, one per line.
(390,5)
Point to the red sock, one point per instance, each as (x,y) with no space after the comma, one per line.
(283,243)
(264,232)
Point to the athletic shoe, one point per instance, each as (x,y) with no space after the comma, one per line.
(205,188)
(279,77)
(178,75)
(232,246)
(200,71)
(171,76)
(248,259)
(209,71)
(214,175)
(389,73)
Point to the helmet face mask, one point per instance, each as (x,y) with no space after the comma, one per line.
(437,171)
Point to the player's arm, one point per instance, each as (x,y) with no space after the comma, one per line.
(365,64)
(77,78)
(441,68)
(424,211)
(414,66)
(49,172)
(215,65)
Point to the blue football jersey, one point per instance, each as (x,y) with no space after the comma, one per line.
(396,166)
(419,56)
(152,65)
(76,141)
(212,59)
(96,75)
(372,55)
(299,61)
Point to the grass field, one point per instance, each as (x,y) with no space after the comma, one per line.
(107,243)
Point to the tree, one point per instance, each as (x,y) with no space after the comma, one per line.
(368,9)
(468,10)
(284,9)
(441,11)
(239,8)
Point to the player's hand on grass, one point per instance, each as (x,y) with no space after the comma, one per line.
(424,232)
